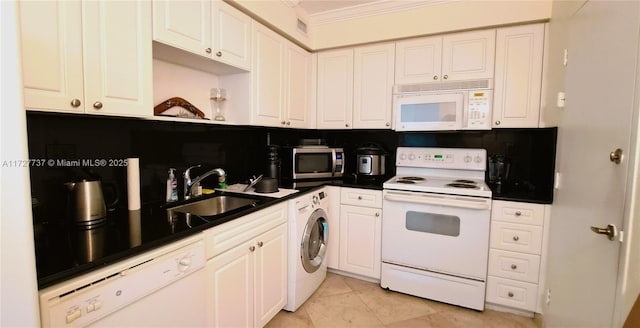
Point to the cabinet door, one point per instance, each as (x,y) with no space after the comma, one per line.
(298,87)
(230,287)
(516,97)
(469,55)
(360,236)
(335,89)
(373,75)
(183,24)
(231,35)
(270,274)
(418,60)
(267,76)
(51,38)
(117,57)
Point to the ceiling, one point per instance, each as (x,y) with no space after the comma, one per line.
(319,6)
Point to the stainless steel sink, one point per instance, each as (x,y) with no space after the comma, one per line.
(213,206)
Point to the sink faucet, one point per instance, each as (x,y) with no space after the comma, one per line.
(191,186)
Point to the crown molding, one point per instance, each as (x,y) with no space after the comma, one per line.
(376,8)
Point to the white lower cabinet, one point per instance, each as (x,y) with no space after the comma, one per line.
(247,273)
(360,231)
(517,255)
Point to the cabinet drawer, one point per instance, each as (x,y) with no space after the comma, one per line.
(516,294)
(361,197)
(227,235)
(517,266)
(516,237)
(517,212)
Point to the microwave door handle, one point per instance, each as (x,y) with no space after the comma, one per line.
(334,162)
(425,199)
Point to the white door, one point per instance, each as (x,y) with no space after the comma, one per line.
(372,86)
(418,60)
(601,73)
(298,87)
(267,76)
(270,274)
(360,236)
(469,55)
(183,24)
(335,89)
(231,35)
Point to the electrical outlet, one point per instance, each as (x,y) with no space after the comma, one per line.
(548,300)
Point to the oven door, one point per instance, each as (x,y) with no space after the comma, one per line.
(442,233)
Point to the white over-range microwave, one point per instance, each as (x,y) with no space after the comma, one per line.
(452,105)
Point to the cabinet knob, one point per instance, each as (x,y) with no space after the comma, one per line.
(513,266)
(359,197)
(76,103)
(387,124)
(252,248)
(208,50)
(260,244)
(518,213)
(219,53)
(282,122)
(435,77)
(497,122)
(377,214)
(516,238)
(288,122)
(346,125)
(510,294)
(97,105)
(445,76)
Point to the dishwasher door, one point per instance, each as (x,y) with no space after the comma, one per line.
(164,287)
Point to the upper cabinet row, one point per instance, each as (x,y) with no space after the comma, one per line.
(355,85)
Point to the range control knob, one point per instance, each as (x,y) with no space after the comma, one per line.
(467,159)
(184,264)
(412,157)
(403,156)
(315,199)
(477,159)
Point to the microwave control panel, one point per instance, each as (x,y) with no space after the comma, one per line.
(479,110)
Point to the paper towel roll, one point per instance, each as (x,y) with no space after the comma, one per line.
(133,183)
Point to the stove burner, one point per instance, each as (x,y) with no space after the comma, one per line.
(405,181)
(412,178)
(464,181)
(463,185)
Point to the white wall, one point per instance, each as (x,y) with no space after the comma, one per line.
(18,284)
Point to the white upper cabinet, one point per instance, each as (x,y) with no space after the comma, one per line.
(459,56)
(297,113)
(267,77)
(373,84)
(183,24)
(335,89)
(519,54)
(212,29)
(87,57)
(231,36)
(355,87)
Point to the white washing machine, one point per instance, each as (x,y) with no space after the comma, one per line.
(308,236)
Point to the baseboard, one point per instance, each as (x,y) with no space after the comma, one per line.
(502,308)
(353,275)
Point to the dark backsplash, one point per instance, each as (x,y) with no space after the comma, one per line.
(239,150)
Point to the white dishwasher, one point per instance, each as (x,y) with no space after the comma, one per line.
(163,287)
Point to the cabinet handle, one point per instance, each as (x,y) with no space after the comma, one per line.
(377,214)
(97,105)
(516,238)
(282,122)
(346,125)
(445,76)
(359,197)
(288,122)
(435,77)
(208,50)
(219,53)
(497,122)
(518,213)
(510,294)
(387,124)
(76,103)
(513,266)
(260,244)
(252,248)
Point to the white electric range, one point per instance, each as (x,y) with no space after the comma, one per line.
(435,226)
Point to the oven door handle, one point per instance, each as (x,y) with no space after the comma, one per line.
(442,201)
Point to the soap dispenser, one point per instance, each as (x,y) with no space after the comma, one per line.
(172,186)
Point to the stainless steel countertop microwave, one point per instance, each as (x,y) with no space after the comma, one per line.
(312,162)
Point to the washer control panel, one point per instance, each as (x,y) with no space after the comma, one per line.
(442,158)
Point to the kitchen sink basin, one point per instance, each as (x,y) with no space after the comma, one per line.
(214,206)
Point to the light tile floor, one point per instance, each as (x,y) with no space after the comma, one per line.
(347,302)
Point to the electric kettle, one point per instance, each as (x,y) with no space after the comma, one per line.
(86,201)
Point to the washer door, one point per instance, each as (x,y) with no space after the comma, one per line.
(314,241)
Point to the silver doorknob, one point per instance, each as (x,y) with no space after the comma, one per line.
(516,238)
(445,77)
(97,105)
(610,231)
(513,266)
(252,248)
(76,103)
(616,156)
(260,244)
(387,124)
(208,50)
(497,122)
(518,213)
(219,53)
(435,77)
